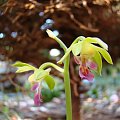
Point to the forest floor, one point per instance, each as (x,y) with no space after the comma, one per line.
(23,108)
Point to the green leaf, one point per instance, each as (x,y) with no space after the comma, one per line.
(24,69)
(40,74)
(97,41)
(21,64)
(76,49)
(5,109)
(50,81)
(97,58)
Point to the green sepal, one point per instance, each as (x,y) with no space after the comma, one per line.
(40,74)
(76,49)
(96,41)
(23,67)
(21,64)
(104,53)
(98,60)
(50,81)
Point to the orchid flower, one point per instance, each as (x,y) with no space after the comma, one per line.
(88,56)
(36,79)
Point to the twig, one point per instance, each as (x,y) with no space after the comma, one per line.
(82,26)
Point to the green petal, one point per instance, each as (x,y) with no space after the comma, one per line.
(97,58)
(104,53)
(40,74)
(106,56)
(98,41)
(76,49)
(50,81)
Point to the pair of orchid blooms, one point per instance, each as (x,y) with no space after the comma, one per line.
(87,54)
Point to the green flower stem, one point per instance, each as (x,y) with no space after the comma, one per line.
(67,89)
(52,35)
(47,64)
(61,44)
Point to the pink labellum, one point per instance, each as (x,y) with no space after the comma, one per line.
(35,86)
(86,74)
(92,65)
(37,99)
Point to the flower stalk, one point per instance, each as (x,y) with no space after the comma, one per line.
(48,64)
(66,74)
(67,89)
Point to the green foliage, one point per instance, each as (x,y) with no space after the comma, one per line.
(49,118)
(5,109)
(48,95)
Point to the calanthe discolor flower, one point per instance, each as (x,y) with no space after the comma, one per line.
(36,82)
(36,79)
(88,56)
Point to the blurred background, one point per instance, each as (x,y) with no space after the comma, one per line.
(23,37)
